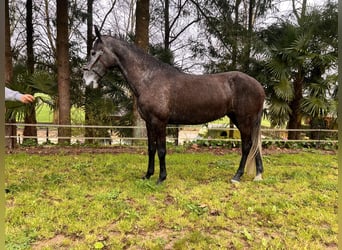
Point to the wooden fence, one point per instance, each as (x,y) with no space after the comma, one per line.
(48,133)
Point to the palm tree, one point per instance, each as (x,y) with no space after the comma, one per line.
(320,99)
(297,62)
(287,76)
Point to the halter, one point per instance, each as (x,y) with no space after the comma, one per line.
(90,67)
(98,58)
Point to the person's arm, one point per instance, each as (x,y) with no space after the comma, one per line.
(11,95)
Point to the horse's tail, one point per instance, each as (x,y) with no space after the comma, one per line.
(256,146)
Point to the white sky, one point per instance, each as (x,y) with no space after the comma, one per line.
(119,21)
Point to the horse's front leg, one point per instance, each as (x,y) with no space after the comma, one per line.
(151,135)
(161,148)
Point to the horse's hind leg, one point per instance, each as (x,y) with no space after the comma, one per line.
(259,167)
(246,146)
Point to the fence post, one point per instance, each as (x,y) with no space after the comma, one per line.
(47,134)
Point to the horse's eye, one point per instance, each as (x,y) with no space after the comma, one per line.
(93,53)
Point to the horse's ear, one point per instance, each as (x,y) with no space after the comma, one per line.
(97,33)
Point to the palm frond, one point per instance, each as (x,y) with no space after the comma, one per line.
(284,89)
(277,68)
(317,89)
(44,82)
(301,43)
(314,106)
(279,111)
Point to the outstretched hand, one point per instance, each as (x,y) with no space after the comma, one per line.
(26,98)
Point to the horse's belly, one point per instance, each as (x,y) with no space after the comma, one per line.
(190,116)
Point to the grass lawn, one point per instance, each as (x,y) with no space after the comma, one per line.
(45,114)
(98,201)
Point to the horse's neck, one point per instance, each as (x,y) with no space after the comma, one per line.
(133,68)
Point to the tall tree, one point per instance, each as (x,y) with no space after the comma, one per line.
(11,131)
(170,19)
(97,99)
(172,16)
(232,24)
(89,132)
(300,57)
(295,116)
(89,25)
(30,116)
(320,104)
(2,126)
(8,51)
(142,21)
(230,28)
(63,71)
(29,37)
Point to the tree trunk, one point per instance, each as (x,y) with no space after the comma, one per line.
(8,52)
(167,29)
(317,123)
(295,120)
(89,132)
(9,130)
(234,54)
(142,24)
(142,21)
(63,71)
(30,116)
(248,43)
(29,37)
(30,131)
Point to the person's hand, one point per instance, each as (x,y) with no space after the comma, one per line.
(26,98)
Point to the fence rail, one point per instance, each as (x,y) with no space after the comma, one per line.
(48,133)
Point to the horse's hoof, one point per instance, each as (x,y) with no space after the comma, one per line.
(234,181)
(258,178)
(146,177)
(161,180)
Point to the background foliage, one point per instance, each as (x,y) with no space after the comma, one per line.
(292,52)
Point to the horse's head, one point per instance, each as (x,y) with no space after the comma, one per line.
(100,60)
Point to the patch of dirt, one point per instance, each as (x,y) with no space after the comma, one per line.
(56,241)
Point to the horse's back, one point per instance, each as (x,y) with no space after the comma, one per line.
(195,99)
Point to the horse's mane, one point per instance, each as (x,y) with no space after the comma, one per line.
(153,62)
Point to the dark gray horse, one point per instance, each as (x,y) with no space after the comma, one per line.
(167,96)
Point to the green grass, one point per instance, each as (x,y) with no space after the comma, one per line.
(100,202)
(45,115)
